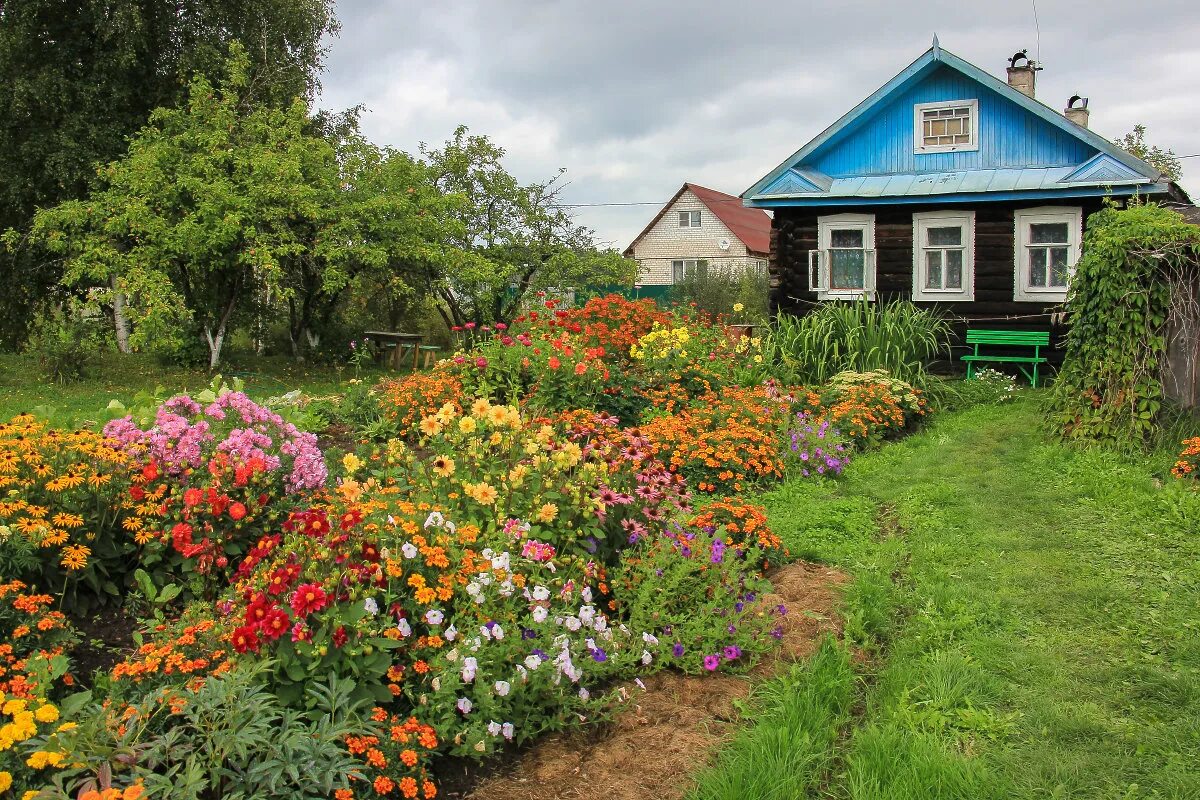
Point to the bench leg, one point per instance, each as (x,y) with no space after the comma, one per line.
(1035,371)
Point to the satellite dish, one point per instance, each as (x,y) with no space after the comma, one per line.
(723,244)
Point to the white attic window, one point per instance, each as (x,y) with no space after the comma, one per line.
(946,127)
(689,219)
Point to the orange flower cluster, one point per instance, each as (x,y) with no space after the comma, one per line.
(742,523)
(866,412)
(28,627)
(613,322)
(128,793)
(396,760)
(729,441)
(1188,465)
(406,400)
(59,490)
(170,657)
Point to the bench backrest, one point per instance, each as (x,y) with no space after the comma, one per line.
(1029,338)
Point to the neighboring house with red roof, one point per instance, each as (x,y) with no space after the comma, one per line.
(699,230)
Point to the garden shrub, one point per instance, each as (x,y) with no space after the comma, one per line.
(227,737)
(867,406)
(64,343)
(1136,264)
(60,514)
(210,480)
(711,293)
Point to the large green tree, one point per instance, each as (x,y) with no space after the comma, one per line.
(197,222)
(78,78)
(513,238)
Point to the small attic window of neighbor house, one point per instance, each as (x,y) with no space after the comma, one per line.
(946,127)
(689,219)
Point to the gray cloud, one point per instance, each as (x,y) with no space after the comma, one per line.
(636,98)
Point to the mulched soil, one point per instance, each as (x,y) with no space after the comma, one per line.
(105,638)
(666,732)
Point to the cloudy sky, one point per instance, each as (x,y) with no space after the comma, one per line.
(634,98)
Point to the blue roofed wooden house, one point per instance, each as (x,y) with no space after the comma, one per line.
(949,187)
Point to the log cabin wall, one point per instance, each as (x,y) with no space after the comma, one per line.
(794,233)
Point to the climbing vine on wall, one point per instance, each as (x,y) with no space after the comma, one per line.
(1135,276)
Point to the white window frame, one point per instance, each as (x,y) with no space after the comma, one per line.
(919,110)
(686,264)
(825,227)
(689,218)
(922,221)
(1022,219)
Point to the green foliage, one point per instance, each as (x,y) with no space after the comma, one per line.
(860,336)
(231,739)
(77,79)
(1109,388)
(681,589)
(1165,161)
(715,291)
(65,342)
(515,238)
(988,387)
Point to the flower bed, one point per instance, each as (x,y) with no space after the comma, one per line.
(528,543)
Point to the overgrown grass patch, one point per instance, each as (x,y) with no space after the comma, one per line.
(1028,612)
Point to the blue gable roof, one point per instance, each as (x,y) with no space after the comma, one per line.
(1023,146)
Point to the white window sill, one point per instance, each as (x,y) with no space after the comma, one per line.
(1041,297)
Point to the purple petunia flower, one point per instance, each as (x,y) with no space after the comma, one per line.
(712,662)
(732,652)
(677,650)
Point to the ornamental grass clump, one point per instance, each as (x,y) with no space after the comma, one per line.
(210,480)
(862,336)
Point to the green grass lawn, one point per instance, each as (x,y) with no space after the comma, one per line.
(1030,615)
(122,377)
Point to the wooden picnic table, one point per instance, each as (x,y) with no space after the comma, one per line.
(399,342)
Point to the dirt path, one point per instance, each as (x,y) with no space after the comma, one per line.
(671,729)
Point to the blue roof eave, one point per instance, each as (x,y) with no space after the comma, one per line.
(928,61)
(807,201)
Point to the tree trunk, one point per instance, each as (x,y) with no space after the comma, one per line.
(217,340)
(120,321)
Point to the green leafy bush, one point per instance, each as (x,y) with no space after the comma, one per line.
(228,738)
(64,343)
(988,387)
(715,291)
(1136,263)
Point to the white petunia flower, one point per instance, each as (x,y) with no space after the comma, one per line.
(502,688)
(371,606)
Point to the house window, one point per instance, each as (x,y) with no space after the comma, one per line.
(689,268)
(944,255)
(689,219)
(760,266)
(843,266)
(947,127)
(1047,249)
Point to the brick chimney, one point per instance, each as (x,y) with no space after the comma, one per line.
(1022,77)
(1077,111)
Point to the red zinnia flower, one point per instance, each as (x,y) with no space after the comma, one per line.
(245,639)
(340,636)
(275,624)
(192,497)
(237,511)
(309,597)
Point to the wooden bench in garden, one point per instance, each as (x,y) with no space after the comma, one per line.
(1012,340)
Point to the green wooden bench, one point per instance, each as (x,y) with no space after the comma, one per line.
(430,351)
(1012,339)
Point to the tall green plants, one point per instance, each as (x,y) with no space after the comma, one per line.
(860,336)
(1138,269)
